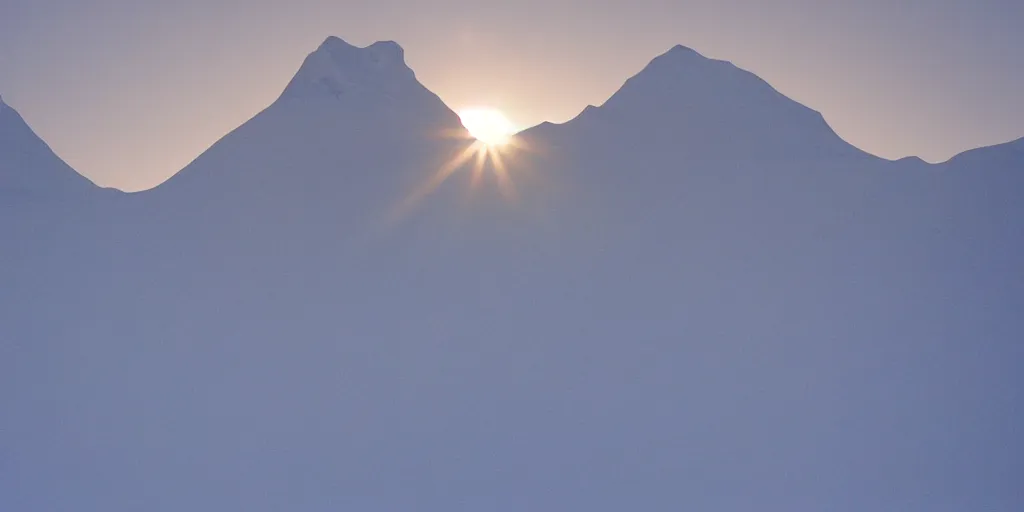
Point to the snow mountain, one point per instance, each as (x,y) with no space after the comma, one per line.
(695,295)
(342,99)
(710,109)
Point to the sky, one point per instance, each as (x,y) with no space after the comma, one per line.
(130,91)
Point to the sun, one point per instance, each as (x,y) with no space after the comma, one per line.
(488,148)
(488,125)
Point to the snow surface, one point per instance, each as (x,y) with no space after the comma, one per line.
(695,296)
(371,77)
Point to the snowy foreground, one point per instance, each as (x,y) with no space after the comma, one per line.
(695,296)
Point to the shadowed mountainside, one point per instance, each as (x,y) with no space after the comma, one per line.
(693,296)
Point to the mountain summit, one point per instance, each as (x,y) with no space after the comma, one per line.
(368,80)
(346,108)
(705,107)
(338,68)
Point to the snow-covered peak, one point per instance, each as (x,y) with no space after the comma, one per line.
(343,71)
(682,52)
(682,75)
(343,109)
(382,55)
(713,107)
(679,59)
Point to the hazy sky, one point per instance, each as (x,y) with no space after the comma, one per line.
(130,91)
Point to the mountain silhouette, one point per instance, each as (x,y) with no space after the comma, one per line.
(695,295)
(29,168)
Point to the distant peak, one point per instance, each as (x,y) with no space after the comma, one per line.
(679,56)
(381,54)
(338,68)
(680,70)
(715,106)
(681,61)
(381,49)
(373,80)
(335,42)
(2,104)
(681,50)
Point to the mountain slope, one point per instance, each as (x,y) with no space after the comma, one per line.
(652,315)
(343,101)
(44,205)
(29,168)
(1009,155)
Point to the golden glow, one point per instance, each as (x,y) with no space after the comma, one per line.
(487,125)
(481,160)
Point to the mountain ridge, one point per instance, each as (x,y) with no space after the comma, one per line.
(375,81)
(337,68)
(30,168)
(340,94)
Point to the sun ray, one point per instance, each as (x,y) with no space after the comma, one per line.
(433,182)
(501,172)
(492,154)
(478,166)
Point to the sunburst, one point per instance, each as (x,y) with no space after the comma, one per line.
(484,149)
